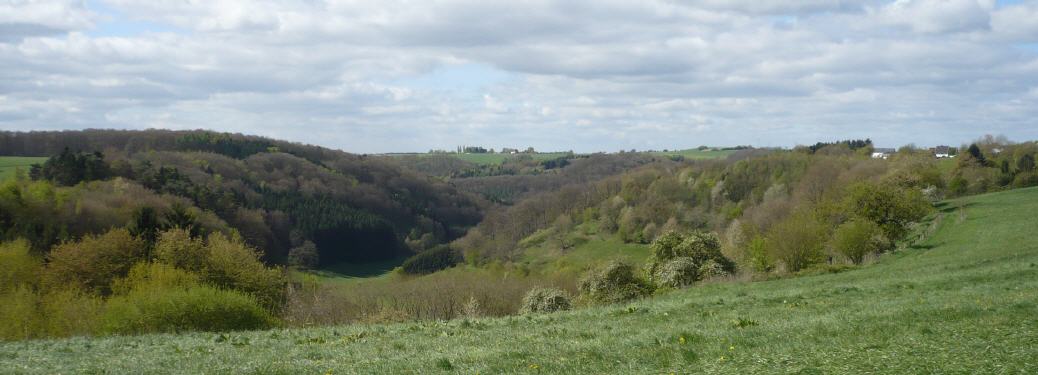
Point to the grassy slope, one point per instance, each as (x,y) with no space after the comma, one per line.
(962,302)
(8,164)
(543,252)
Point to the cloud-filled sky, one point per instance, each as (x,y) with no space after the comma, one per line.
(583,75)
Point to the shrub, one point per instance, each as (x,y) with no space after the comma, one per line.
(857,238)
(233,264)
(758,251)
(472,308)
(1025,179)
(545,300)
(432,260)
(197,308)
(154,276)
(176,247)
(932,194)
(889,206)
(797,241)
(92,263)
(711,268)
(676,273)
(304,256)
(17,266)
(69,312)
(18,315)
(223,262)
(694,249)
(616,282)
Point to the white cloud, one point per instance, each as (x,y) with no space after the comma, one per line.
(940,16)
(20,19)
(584,75)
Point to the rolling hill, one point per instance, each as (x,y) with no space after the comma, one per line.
(278,195)
(961,300)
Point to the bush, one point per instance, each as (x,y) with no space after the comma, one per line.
(17,266)
(889,206)
(18,315)
(157,297)
(223,262)
(545,300)
(197,308)
(232,264)
(677,273)
(92,263)
(711,268)
(857,238)
(304,256)
(798,240)
(758,252)
(1025,179)
(677,259)
(432,260)
(69,312)
(176,247)
(154,276)
(616,282)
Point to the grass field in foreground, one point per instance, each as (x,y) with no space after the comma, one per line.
(963,301)
(8,164)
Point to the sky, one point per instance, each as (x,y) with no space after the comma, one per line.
(582,75)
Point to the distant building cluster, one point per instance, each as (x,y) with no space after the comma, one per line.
(482,150)
(882,153)
(939,152)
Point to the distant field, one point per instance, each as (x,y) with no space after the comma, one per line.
(492,159)
(8,164)
(697,154)
(962,301)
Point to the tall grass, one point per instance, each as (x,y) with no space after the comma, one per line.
(498,291)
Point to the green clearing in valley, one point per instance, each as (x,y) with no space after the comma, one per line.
(9,164)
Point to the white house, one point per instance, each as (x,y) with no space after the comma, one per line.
(942,152)
(882,153)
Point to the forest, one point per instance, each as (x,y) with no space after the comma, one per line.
(125,232)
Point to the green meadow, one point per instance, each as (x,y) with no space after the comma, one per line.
(9,164)
(963,299)
(497,158)
(697,154)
